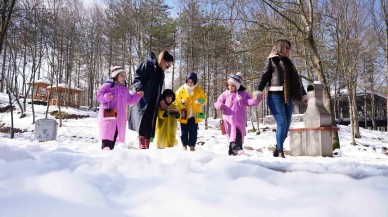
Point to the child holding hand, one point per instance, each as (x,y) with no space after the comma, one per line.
(233,104)
(114,97)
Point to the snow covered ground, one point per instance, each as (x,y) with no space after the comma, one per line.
(71,176)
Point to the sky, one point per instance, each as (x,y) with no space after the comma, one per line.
(72,176)
(89,3)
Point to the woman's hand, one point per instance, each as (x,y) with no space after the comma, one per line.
(141,93)
(305,99)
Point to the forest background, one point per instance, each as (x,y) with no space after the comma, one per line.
(341,43)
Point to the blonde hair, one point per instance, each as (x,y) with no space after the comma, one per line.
(280,47)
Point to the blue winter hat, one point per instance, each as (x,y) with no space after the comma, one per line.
(192,76)
(236,79)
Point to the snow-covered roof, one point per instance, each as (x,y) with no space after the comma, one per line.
(42,81)
(63,86)
(359,92)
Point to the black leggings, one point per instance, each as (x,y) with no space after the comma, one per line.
(110,143)
(236,146)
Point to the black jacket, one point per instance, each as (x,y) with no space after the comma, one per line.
(273,76)
(149,77)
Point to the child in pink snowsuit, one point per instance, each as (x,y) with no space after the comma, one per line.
(233,105)
(114,94)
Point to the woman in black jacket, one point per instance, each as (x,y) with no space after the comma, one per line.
(284,86)
(149,79)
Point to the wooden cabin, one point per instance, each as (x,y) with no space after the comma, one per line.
(59,95)
(39,93)
(364,109)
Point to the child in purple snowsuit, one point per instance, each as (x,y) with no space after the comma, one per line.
(233,105)
(114,94)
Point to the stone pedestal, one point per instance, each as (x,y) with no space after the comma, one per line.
(311,141)
(46,130)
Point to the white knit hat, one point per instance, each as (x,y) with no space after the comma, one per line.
(115,70)
(236,80)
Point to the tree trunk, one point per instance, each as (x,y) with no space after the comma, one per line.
(206,83)
(354,118)
(24,85)
(373,102)
(3,69)
(373,112)
(32,99)
(386,60)
(351,119)
(384,8)
(5,15)
(365,110)
(173,64)
(59,101)
(328,103)
(12,132)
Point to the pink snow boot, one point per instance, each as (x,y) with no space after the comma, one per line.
(240,152)
(147,143)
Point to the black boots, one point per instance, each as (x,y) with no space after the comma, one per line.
(275,153)
(281,153)
(278,152)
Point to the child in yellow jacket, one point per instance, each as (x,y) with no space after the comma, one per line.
(190,98)
(166,123)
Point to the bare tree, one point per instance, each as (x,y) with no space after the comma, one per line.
(300,14)
(7,9)
(384,8)
(351,26)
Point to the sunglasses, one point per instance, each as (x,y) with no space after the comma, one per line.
(168,65)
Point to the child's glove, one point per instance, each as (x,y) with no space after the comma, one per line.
(174,113)
(256,94)
(222,107)
(165,114)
